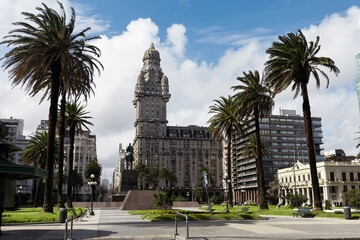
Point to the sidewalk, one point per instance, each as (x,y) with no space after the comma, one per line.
(115,224)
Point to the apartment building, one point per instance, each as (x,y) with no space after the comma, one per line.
(285,134)
(16,137)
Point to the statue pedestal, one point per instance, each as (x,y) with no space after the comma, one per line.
(129,180)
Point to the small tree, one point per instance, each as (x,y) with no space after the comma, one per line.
(216,199)
(197,191)
(352,198)
(276,188)
(162,199)
(296,200)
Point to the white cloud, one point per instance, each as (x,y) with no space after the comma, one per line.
(176,39)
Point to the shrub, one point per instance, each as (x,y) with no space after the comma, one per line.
(352,198)
(296,200)
(216,199)
(162,199)
(250,203)
(180,199)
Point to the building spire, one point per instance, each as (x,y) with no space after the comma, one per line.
(152,45)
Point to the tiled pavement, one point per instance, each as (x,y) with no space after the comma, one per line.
(115,224)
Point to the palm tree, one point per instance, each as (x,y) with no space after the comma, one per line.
(222,124)
(250,148)
(292,61)
(68,87)
(196,192)
(173,180)
(35,154)
(93,167)
(142,171)
(75,118)
(78,182)
(165,174)
(155,176)
(358,145)
(49,52)
(254,100)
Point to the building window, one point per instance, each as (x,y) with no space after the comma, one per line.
(345,188)
(319,175)
(352,177)
(344,176)
(332,176)
(303,177)
(333,189)
(353,187)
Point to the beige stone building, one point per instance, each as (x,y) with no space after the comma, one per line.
(84,151)
(335,178)
(120,166)
(184,150)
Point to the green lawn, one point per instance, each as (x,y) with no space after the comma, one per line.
(283,211)
(169,215)
(33,215)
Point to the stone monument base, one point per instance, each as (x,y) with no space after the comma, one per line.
(138,200)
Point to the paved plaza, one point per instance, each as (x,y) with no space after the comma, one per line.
(115,224)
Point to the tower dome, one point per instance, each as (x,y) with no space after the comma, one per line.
(164,80)
(151,53)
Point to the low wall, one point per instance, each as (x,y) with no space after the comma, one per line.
(98,204)
(138,200)
(185,204)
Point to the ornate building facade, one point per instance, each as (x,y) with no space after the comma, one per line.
(183,150)
(335,178)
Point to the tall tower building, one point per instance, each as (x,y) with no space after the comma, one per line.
(184,150)
(357,58)
(151,96)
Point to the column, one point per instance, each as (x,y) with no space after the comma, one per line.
(326,193)
(340,193)
(308,196)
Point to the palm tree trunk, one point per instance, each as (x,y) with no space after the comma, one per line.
(259,164)
(70,169)
(310,147)
(55,85)
(61,150)
(37,186)
(230,194)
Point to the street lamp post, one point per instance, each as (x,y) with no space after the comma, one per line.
(227,181)
(92,184)
(20,191)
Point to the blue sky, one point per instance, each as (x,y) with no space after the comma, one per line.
(204,46)
(214,26)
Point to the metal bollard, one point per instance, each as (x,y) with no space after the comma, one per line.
(71,228)
(66,227)
(187,224)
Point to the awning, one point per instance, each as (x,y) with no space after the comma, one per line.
(15,171)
